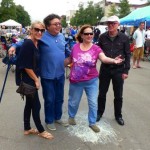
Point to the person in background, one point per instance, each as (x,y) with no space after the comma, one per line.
(28,64)
(147,40)
(73,32)
(138,40)
(84,76)
(113,43)
(14,38)
(97,33)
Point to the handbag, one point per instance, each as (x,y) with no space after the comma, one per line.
(25,89)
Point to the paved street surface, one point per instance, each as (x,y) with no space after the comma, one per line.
(134,135)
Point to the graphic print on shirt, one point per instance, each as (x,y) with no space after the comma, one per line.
(83,62)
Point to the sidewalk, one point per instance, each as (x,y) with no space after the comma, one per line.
(134,135)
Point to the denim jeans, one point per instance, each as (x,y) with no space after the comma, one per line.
(75,94)
(53,93)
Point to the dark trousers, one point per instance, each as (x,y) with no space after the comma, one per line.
(106,75)
(32,105)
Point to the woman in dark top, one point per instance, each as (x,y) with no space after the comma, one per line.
(28,63)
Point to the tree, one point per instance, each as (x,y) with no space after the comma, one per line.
(113,10)
(22,16)
(7,10)
(124,8)
(89,15)
(63,21)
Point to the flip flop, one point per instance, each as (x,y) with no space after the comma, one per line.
(139,67)
(134,67)
(46,135)
(31,131)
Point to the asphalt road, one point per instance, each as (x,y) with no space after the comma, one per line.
(134,135)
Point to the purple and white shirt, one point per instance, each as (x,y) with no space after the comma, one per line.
(84,63)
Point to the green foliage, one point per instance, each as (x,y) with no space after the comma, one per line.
(124,8)
(113,10)
(89,15)
(22,16)
(63,21)
(8,10)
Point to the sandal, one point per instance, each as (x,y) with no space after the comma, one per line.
(46,135)
(31,131)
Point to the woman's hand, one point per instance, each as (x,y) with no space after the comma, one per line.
(124,76)
(118,60)
(37,84)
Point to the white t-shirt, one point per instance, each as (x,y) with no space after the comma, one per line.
(148,34)
(139,37)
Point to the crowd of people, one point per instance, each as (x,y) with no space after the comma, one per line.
(42,60)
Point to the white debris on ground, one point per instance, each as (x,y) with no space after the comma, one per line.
(106,135)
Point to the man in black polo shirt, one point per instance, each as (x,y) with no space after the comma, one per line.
(113,44)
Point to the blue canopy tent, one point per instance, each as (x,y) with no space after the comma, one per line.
(137,16)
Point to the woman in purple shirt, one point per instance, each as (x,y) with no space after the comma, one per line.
(84,75)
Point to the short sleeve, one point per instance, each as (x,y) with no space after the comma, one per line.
(134,35)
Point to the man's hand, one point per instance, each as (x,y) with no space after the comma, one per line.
(11,51)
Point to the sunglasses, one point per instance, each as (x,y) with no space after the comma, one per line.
(90,33)
(112,23)
(56,24)
(39,30)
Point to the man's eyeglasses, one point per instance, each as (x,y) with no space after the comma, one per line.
(88,33)
(112,23)
(39,30)
(56,24)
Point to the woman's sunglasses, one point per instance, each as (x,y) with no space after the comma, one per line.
(89,33)
(39,30)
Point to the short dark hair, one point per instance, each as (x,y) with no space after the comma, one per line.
(50,17)
(81,31)
(142,23)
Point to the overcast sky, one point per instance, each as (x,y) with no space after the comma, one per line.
(38,9)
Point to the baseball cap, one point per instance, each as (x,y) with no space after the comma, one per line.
(113,19)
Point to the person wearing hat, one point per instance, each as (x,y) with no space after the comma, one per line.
(113,43)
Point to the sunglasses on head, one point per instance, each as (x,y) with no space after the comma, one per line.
(41,30)
(88,33)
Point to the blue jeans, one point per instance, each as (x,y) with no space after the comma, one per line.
(75,94)
(53,93)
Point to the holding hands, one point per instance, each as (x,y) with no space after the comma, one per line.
(118,60)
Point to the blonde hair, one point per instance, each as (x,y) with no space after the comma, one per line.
(37,22)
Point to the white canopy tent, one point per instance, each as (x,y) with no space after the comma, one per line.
(10,23)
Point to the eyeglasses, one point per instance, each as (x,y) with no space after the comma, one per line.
(41,30)
(88,33)
(111,23)
(56,24)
